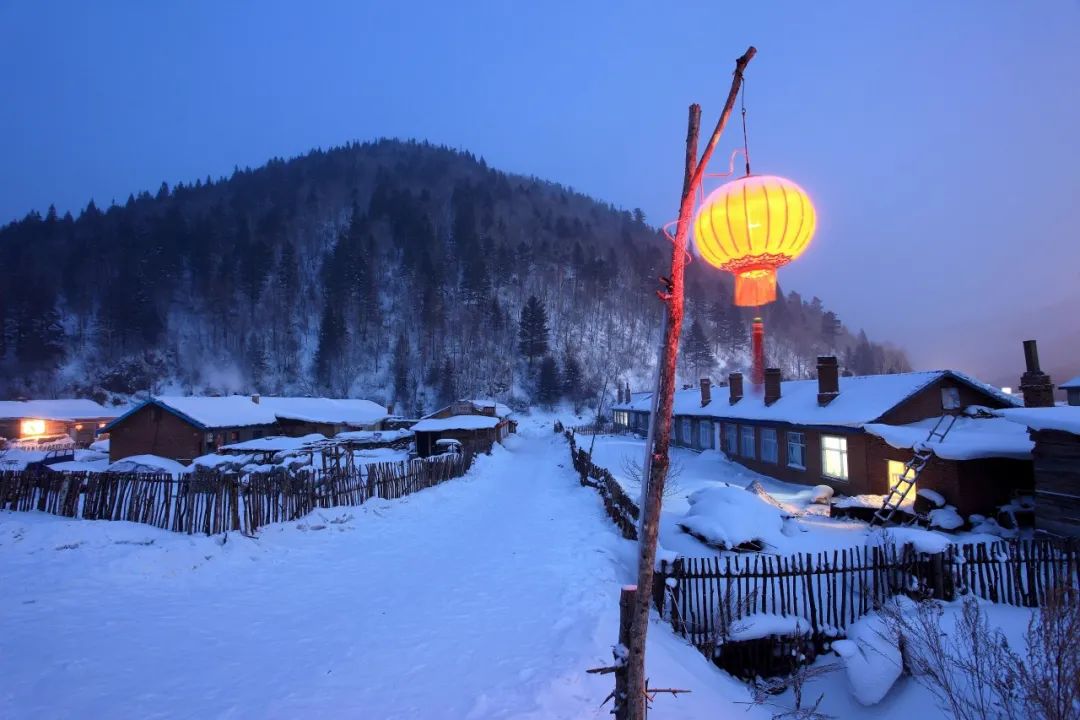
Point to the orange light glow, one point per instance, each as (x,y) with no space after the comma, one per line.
(750,227)
(32,428)
(78,426)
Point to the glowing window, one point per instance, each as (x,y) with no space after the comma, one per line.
(796,450)
(834,457)
(29,428)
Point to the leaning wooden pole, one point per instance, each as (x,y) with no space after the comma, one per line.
(655,472)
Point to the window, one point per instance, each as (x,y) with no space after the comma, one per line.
(621,417)
(705,434)
(897,470)
(732,438)
(748,449)
(769,450)
(796,450)
(950,398)
(834,457)
(685,436)
(235,436)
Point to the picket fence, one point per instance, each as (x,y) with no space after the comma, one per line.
(620,508)
(212,502)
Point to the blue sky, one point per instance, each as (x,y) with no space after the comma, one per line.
(938,140)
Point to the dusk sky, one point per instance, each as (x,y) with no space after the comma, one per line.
(939,141)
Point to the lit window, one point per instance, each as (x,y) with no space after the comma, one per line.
(898,470)
(748,449)
(769,450)
(796,450)
(30,428)
(78,427)
(834,457)
(705,434)
(732,438)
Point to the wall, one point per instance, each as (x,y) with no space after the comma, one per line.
(477,441)
(151,430)
(927,402)
(1057,482)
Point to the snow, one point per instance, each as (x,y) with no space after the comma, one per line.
(101,446)
(326,410)
(243,411)
(728,517)
(1060,417)
(20,458)
(66,410)
(760,625)
(147,464)
(871,658)
(861,400)
(968,439)
(926,541)
(1070,384)
(946,518)
(373,436)
(456,422)
(936,498)
(81,466)
(487,596)
(274,443)
(501,410)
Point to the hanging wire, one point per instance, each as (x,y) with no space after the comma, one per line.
(745,139)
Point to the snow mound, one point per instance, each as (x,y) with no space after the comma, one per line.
(935,498)
(761,625)
(147,464)
(728,517)
(926,541)
(872,659)
(946,518)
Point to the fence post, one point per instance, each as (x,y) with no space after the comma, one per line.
(660,587)
(626,612)
(937,575)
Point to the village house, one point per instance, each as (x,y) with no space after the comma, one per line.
(855,434)
(43,420)
(476,424)
(184,428)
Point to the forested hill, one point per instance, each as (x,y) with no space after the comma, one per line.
(390,270)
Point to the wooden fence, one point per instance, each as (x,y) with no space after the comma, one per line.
(602,428)
(210,502)
(620,508)
(705,598)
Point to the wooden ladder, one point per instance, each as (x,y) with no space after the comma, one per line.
(912,469)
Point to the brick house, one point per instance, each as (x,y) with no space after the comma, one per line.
(74,418)
(184,428)
(856,433)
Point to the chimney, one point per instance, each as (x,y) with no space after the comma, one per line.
(390,408)
(255,398)
(735,385)
(706,392)
(1034,383)
(828,379)
(772,385)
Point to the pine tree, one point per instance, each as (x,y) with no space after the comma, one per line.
(830,330)
(696,352)
(401,370)
(533,330)
(447,384)
(548,387)
(572,380)
(740,337)
(331,344)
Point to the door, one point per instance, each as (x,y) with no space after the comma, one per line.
(896,470)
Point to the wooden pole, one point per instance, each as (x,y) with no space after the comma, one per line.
(659,437)
(626,614)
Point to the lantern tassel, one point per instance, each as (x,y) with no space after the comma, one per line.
(755,287)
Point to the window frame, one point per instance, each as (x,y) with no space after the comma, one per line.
(731,438)
(705,434)
(843,452)
(686,432)
(752,455)
(765,433)
(801,444)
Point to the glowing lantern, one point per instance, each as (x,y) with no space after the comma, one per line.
(752,226)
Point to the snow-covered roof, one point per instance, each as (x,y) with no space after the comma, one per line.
(67,409)
(373,436)
(968,439)
(456,422)
(244,411)
(862,399)
(501,411)
(1060,417)
(147,464)
(1071,384)
(274,443)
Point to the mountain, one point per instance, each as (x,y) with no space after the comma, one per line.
(391,270)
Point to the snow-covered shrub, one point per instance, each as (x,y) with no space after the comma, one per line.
(730,517)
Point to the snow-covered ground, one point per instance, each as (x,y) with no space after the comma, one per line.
(485,597)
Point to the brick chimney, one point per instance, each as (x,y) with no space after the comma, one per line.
(828,379)
(255,398)
(1034,383)
(735,386)
(772,385)
(706,392)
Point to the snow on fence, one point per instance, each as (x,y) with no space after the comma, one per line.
(620,508)
(709,599)
(210,502)
(601,428)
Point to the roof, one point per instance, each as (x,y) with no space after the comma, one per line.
(147,464)
(862,399)
(242,411)
(968,439)
(1065,418)
(1073,384)
(501,411)
(66,409)
(456,422)
(274,443)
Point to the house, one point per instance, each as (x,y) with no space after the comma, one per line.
(184,428)
(41,420)
(476,424)
(855,434)
(1072,391)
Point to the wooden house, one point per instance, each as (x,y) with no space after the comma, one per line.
(1072,391)
(44,420)
(856,433)
(184,428)
(476,424)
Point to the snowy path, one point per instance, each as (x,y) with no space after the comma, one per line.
(486,597)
